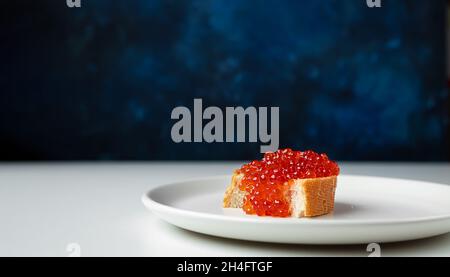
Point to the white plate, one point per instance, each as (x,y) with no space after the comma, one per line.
(367,209)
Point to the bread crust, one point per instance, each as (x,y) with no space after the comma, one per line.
(318,194)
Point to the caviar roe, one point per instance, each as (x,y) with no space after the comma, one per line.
(265,180)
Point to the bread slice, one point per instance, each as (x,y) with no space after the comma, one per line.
(308,197)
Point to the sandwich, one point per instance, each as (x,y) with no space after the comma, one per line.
(285,183)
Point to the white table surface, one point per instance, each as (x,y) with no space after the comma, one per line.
(44,207)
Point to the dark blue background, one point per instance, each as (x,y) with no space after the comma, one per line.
(100,82)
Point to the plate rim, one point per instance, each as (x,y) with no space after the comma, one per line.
(156,207)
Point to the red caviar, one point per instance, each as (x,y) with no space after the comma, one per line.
(265,180)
